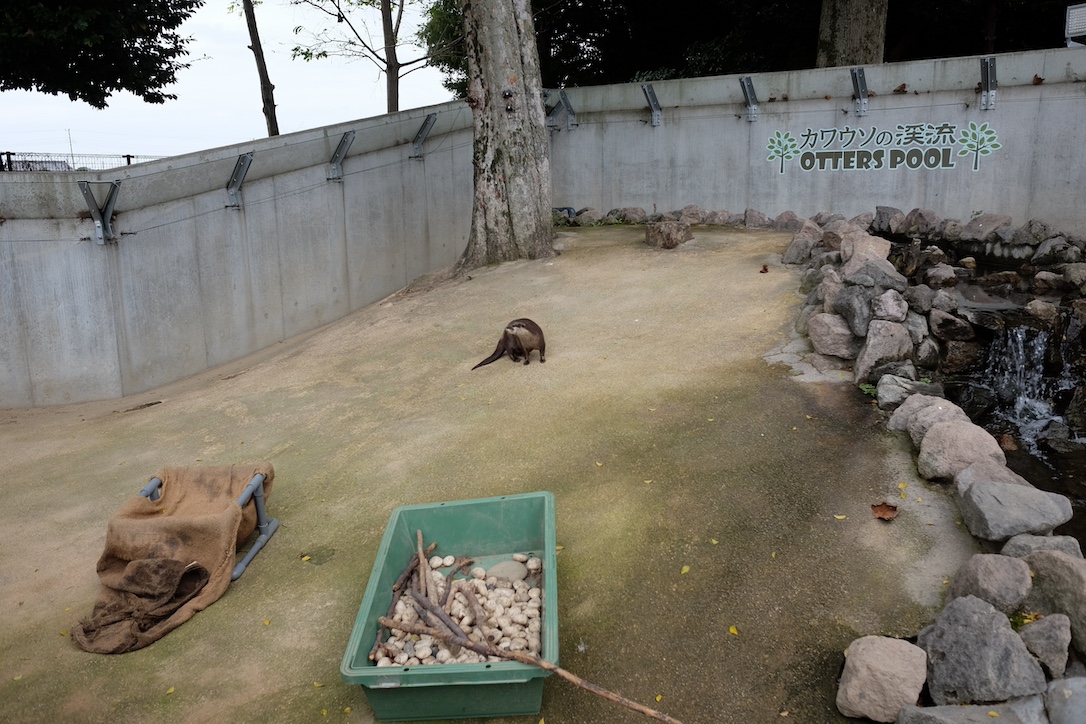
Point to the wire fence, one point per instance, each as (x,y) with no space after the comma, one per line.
(15,161)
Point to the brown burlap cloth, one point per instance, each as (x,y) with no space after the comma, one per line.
(166,559)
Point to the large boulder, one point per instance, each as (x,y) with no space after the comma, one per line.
(1066,700)
(887,220)
(950,447)
(881,676)
(830,334)
(946,326)
(1002,581)
(974,656)
(997,511)
(799,251)
(903,415)
(920,224)
(1023,544)
(1027,710)
(667,234)
(1059,586)
(891,306)
(857,250)
(1049,639)
(893,390)
(930,415)
(885,342)
(853,303)
(985,227)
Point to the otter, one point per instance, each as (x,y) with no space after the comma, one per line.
(518,340)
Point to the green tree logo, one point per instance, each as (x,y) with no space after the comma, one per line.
(782,146)
(979,141)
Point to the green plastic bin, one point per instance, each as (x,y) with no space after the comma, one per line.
(489,530)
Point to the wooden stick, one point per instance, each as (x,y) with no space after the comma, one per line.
(480,615)
(412,566)
(424,566)
(531,660)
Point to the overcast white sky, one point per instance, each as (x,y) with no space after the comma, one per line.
(219,95)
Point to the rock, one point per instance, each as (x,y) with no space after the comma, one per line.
(863,220)
(836,231)
(886,220)
(832,287)
(692,214)
(853,303)
(920,224)
(876,273)
(1075,415)
(989,471)
(1032,233)
(924,419)
(1056,250)
(631,215)
(1027,710)
(718,218)
(917,324)
(831,335)
(899,421)
(919,297)
(1059,586)
(667,234)
(927,354)
(1075,275)
(945,300)
(588,217)
(1023,544)
(946,326)
(894,390)
(983,228)
(885,342)
(1046,282)
(788,221)
(881,676)
(1002,581)
(1066,701)
(950,447)
(959,356)
(754,219)
(858,249)
(1002,280)
(1049,639)
(997,511)
(1046,312)
(950,230)
(509,570)
(824,217)
(975,656)
(803,241)
(940,275)
(891,306)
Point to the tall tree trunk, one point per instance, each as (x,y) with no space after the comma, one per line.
(851,32)
(266,87)
(511,216)
(392,62)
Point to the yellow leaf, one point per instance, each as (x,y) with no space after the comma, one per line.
(685,569)
(784,713)
(63,633)
(267,622)
(652,409)
(993,714)
(903,485)
(306,558)
(317,684)
(169,691)
(920,500)
(946,581)
(559,548)
(599,464)
(839,517)
(324,712)
(659,697)
(795,428)
(808,417)
(902,496)
(346,710)
(66,610)
(714,541)
(773,554)
(710,419)
(647,482)
(733,630)
(17,677)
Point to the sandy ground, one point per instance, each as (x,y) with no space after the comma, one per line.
(666,436)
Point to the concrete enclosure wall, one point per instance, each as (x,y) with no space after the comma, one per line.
(192,283)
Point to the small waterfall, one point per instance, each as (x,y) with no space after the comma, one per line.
(1017,377)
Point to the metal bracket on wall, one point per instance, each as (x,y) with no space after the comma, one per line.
(859,91)
(103,216)
(337,158)
(233,186)
(750,97)
(565,106)
(988,83)
(654,105)
(424,131)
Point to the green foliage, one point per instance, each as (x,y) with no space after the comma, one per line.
(442,35)
(869,389)
(90,50)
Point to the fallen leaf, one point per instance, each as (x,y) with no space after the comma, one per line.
(169,691)
(765,269)
(599,464)
(808,417)
(647,482)
(267,622)
(714,541)
(884,511)
(902,496)
(903,88)
(733,630)
(652,409)
(346,710)
(685,570)
(920,500)
(784,713)
(839,517)
(324,712)
(559,548)
(306,558)
(317,684)
(773,554)
(1037,80)
(659,697)
(710,419)
(903,485)
(17,678)
(993,714)
(795,428)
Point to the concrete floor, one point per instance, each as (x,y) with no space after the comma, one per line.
(657,422)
